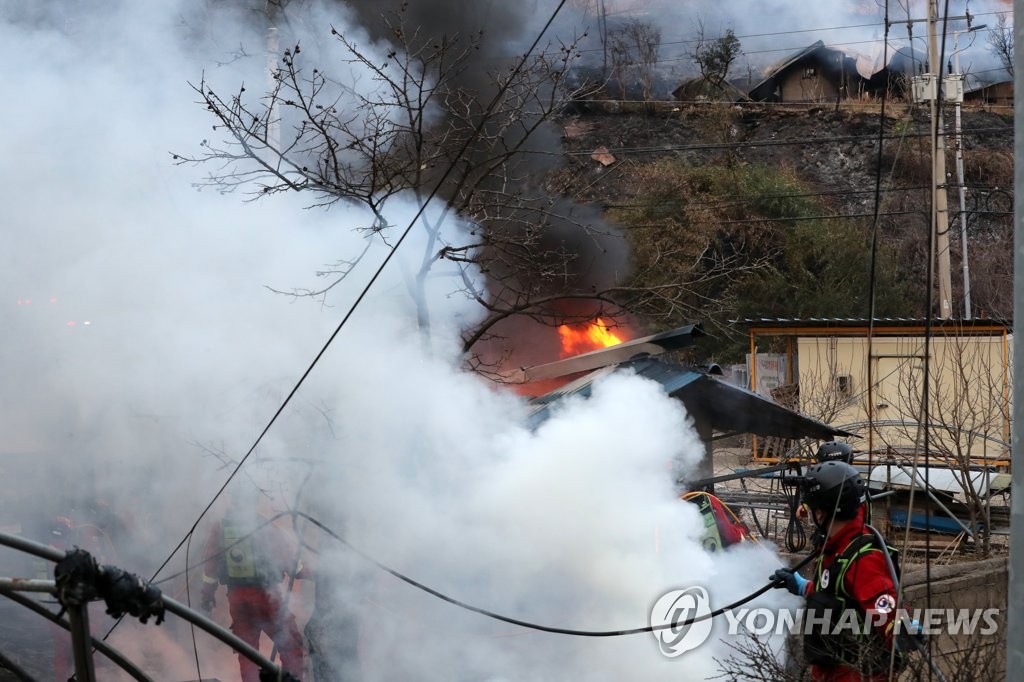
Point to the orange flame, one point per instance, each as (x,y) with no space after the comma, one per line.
(578,339)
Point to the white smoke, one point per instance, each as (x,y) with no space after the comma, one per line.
(143,346)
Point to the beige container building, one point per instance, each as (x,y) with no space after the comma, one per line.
(870,380)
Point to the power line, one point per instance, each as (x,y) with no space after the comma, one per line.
(784,219)
(359,299)
(798,195)
(485,612)
(761,197)
(773,143)
(822,29)
(791,49)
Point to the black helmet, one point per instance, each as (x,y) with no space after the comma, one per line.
(835,451)
(834,486)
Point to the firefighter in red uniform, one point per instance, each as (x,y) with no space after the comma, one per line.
(252,561)
(851,603)
(836,451)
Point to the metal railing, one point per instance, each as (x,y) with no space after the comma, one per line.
(77,622)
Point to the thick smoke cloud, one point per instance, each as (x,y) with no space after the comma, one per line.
(145,353)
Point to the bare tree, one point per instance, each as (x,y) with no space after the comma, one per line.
(967,420)
(634,48)
(753,659)
(645,39)
(619,51)
(715,56)
(1000,41)
(419,129)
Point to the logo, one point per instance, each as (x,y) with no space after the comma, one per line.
(671,616)
(885,604)
(824,579)
(681,620)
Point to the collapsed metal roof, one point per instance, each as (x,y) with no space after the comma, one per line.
(712,402)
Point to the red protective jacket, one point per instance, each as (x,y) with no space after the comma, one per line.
(252,563)
(869,582)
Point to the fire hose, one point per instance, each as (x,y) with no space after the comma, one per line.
(537,626)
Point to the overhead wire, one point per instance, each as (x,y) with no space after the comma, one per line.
(924,421)
(873,276)
(790,49)
(746,199)
(365,290)
(531,625)
(772,143)
(872,297)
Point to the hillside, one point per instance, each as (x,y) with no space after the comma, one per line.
(779,204)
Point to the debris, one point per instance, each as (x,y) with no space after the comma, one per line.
(603,156)
(577,129)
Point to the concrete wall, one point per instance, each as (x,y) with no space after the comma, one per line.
(966,585)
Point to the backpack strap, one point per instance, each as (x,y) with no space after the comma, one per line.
(833,575)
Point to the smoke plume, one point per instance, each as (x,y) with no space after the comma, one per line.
(145,353)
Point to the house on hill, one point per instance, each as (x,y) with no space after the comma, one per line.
(998,94)
(819,73)
(814,74)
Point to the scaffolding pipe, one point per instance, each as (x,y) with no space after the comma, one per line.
(200,621)
(12,667)
(112,654)
(81,643)
(26,585)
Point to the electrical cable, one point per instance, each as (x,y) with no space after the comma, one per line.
(772,143)
(873,267)
(485,612)
(362,295)
(537,626)
(796,535)
(926,381)
(753,513)
(819,29)
(761,197)
(800,195)
(793,49)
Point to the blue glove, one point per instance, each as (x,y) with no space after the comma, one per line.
(911,636)
(791,580)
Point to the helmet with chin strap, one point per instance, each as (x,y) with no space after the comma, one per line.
(834,487)
(835,451)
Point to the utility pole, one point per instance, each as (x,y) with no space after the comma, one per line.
(940,207)
(932,86)
(1015,583)
(959,144)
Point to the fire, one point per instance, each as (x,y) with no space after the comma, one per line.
(578,339)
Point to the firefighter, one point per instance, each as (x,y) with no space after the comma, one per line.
(851,602)
(252,559)
(834,451)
